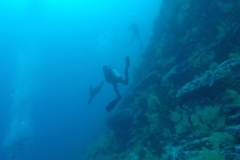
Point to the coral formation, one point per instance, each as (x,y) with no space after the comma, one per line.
(207,154)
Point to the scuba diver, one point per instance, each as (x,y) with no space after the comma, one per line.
(94,92)
(113,77)
(135,34)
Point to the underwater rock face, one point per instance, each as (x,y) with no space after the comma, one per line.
(121,119)
(185,101)
(210,80)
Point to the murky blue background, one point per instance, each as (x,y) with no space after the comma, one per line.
(51,51)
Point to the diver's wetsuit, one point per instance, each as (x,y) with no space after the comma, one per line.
(111,76)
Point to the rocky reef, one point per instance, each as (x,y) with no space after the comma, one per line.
(185,101)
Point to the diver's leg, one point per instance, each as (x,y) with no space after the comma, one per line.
(126,70)
(113,103)
(115,87)
(125,81)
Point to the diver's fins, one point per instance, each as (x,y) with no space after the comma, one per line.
(112,104)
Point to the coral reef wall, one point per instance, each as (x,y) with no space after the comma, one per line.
(185,102)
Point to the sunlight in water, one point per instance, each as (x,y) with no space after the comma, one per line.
(20,130)
(61,5)
(80,6)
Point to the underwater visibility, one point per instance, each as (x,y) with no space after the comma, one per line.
(54,93)
(120,80)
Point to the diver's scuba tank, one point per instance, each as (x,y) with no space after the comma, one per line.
(115,73)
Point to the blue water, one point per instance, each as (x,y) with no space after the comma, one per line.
(51,51)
